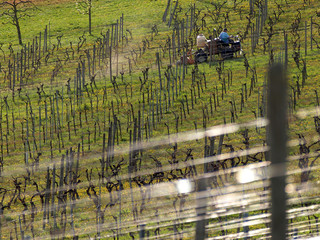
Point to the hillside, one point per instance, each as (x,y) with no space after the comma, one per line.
(93,125)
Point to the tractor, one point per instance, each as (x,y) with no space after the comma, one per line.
(214,46)
(208,48)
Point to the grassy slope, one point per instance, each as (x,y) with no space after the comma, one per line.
(65,19)
(140,16)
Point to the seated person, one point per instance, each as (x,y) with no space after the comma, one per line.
(224,36)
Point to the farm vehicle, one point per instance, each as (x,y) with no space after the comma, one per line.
(211,47)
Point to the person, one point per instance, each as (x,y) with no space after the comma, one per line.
(201,41)
(224,36)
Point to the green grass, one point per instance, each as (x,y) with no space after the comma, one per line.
(140,16)
(64,19)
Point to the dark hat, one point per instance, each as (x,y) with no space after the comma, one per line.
(225,29)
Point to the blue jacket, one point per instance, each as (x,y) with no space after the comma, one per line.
(224,37)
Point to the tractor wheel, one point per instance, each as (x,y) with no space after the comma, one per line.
(227,55)
(201,59)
